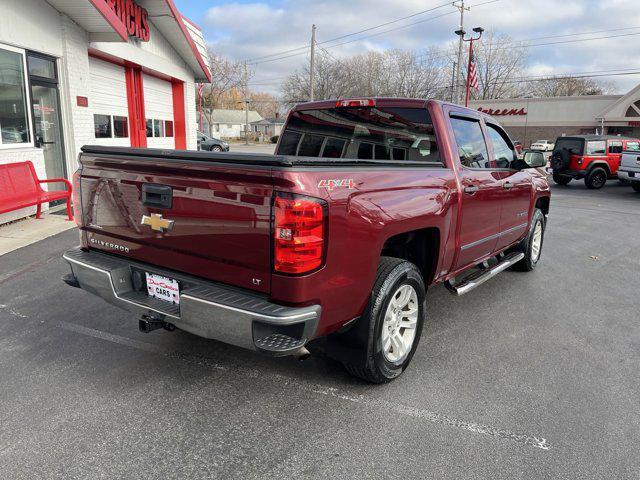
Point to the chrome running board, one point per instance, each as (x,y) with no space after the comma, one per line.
(478,278)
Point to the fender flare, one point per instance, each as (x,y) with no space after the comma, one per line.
(598,163)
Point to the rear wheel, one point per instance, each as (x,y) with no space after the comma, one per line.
(561,179)
(596,178)
(636,186)
(531,246)
(392,321)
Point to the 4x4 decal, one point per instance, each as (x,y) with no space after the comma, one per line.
(331,184)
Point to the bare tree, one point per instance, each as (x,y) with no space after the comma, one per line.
(226,77)
(568,86)
(499,62)
(394,73)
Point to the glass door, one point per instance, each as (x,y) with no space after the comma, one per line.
(46,116)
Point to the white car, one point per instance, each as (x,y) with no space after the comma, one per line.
(542,145)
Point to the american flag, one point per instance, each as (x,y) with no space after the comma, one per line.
(200,88)
(473,77)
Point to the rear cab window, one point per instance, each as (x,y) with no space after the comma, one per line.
(633,146)
(366,133)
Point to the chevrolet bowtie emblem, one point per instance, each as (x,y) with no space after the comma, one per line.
(157,223)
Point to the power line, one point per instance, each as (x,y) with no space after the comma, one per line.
(353,33)
(369,36)
(523,44)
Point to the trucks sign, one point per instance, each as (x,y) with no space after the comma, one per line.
(133,16)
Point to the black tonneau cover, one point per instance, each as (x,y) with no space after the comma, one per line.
(254,159)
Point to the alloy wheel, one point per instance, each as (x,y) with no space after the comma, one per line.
(399,325)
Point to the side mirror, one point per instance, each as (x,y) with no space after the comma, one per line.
(534,159)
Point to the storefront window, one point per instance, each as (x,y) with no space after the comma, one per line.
(42,67)
(14,114)
(149,128)
(102,124)
(158,128)
(168,128)
(120,127)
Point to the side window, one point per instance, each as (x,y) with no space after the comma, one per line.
(615,147)
(502,149)
(472,148)
(633,146)
(598,147)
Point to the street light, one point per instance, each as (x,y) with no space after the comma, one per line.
(461,33)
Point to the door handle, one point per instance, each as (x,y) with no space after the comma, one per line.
(471,190)
(507,185)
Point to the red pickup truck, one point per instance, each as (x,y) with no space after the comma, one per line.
(331,242)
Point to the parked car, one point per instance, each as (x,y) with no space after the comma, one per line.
(13,135)
(331,243)
(596,158)
(205,142)
(543,145)
(629,170)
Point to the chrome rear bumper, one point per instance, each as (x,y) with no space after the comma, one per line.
(206,309)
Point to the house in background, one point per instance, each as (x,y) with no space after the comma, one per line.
(268,127)
(229,123)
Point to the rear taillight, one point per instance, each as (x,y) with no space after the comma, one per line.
(299,234)
(75,198)
(358,102)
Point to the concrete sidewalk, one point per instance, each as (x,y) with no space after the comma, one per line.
(24,232)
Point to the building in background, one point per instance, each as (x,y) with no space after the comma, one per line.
(109,72)
(269,127)
(229,123)
(531,119)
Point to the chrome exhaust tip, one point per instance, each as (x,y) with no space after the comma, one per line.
(301,354)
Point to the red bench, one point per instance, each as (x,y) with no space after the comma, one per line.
(20,187)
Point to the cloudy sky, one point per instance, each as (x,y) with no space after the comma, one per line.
(244,30)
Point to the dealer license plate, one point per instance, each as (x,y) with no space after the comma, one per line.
(163,288)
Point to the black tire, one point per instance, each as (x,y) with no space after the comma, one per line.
(530,261)
(391,275)
(636,186)
(561,179)
(596,178)
(216,148)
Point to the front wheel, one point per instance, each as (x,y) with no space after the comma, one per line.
(393,321)
(216,148)
(596,179)
(636,186)
(531,246)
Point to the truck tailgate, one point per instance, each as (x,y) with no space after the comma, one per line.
(220,215)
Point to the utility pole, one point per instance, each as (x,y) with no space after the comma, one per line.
(453,80)
(313,63)
(462,9)
(246,105)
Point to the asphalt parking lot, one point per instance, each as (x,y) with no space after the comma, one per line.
(530,376)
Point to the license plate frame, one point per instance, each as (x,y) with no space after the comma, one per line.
(163,288)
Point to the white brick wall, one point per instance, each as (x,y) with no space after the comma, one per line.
(191,114)
(75,81)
